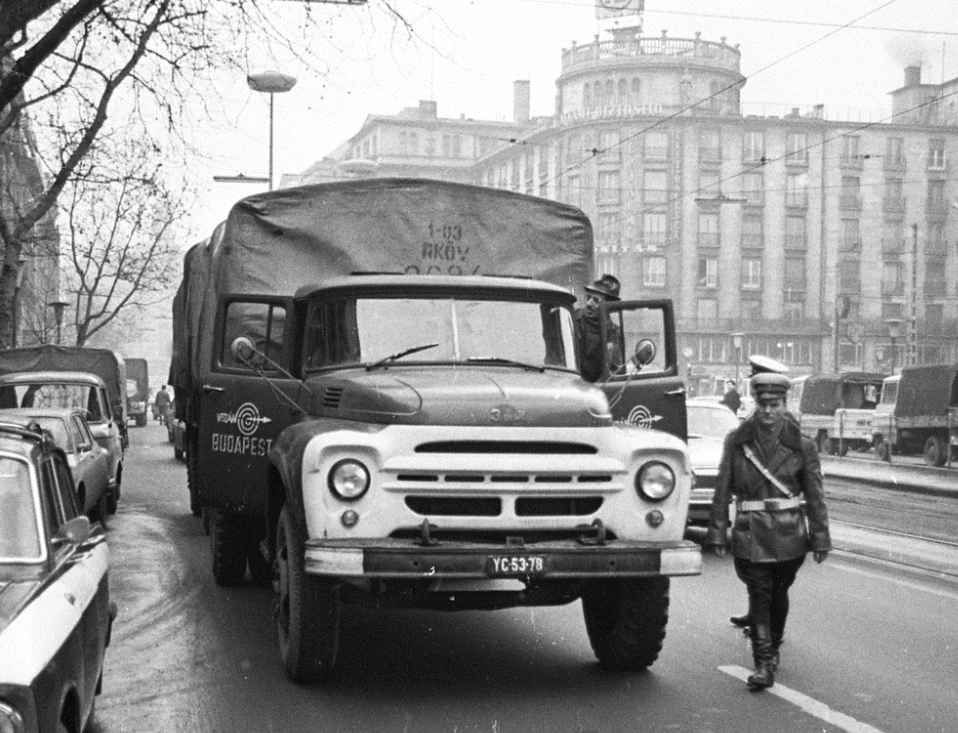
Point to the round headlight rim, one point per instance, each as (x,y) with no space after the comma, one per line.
(641,474)
(332,475)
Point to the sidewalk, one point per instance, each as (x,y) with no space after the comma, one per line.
(907,477)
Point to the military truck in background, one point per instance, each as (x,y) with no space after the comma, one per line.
(89,379)
(382,406)
(918,414)
(137,390)
(835,410)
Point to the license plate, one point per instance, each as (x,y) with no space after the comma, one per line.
(515,565)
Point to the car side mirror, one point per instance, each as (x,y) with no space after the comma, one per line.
(644,353)
(243,348)
(74,532)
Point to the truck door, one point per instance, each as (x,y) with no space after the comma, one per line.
(244,405)
(641,374)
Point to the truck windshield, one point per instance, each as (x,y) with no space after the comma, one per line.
(366,330)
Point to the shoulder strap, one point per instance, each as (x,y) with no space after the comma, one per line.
(765,472)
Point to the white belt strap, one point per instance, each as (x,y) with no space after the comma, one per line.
(768,505)
(766,473)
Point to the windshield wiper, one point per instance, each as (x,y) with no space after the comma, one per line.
(400,355)
(504,360)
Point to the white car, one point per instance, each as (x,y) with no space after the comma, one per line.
(709,422)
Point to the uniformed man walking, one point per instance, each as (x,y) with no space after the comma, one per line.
(773,474)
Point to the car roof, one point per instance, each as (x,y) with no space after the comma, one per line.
(52,378)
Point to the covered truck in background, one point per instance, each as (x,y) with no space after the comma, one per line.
(835,410)
(382,405)
(918,414)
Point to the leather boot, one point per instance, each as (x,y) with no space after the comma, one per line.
(743,621)
(776,656)
(764,674)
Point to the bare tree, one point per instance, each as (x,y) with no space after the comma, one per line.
(119,243)
(82,69)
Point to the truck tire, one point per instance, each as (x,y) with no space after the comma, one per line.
(821,441)
(260,568)
(936,452)
(228,546)
(102,509)
(307,610)
(626,621)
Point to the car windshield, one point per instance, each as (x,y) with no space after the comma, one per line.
(368,330)
(19,532)
(57,428)
(81,397)
(712,422)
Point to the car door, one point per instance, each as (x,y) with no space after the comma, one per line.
(643,386)
(244,405)
(90,456)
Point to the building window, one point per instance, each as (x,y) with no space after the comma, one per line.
(751,273)
(574,188)
(609,232)
(751,309)
(654,229)
(609,187)
(708,230)
(893,277)
(934,313)
(936,154)
(851,235)
(653,272)
(636,88)
(795,232)
(794,311)
(935,241)
(936,197)
(892,237)
(849,275)
(752,235)
(452,146)
(936,284)
(753,147)
(851,151)
(892,310)
(408,142)
(706,309)
(623,90)
(654,187)
(656,145)
(710,145)
(893,200)
(609,147)
(797,148)
(709,184)
(753,188)
(796,190)
(708,272)
(850,198)
(895,153)
(794,275)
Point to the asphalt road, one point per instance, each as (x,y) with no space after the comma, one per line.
(870,647)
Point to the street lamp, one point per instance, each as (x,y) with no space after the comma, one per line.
(737,344)
(58,307)
(271,82)
(894,331)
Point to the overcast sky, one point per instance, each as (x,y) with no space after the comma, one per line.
(469,52)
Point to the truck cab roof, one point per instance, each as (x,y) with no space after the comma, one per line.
(386,282)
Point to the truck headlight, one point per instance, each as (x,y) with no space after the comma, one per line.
(348,479)
(655,481)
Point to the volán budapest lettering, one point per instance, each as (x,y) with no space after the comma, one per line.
(241,444)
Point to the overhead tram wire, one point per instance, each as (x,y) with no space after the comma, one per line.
(598,151)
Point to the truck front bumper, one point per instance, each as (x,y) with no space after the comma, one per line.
(387,558)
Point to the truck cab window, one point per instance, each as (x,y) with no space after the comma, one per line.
(263,324)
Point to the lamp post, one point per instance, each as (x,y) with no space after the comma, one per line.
(271,82)
(737,344)
(58,308)
(894,331)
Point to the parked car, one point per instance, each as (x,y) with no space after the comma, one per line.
(88,461)
(76,391)
(55,610)
(709,422)
(745,409)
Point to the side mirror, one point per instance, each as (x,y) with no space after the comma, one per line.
(75,531)
(243,348)
(644,353)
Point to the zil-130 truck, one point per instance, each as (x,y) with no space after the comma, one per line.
(382,406)
(835,410)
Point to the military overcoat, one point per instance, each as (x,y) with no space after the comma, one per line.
(782,534)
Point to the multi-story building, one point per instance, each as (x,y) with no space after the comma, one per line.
(825,243)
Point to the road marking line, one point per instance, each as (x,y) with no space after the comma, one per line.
(810,705)
(903,583)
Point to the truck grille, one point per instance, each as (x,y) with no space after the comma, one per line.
(532,447)
(525,506)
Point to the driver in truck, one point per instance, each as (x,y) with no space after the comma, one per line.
(588,330)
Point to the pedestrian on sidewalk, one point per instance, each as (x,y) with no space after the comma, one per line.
(774,476)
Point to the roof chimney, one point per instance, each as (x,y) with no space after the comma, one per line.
(520,101)
(428,109)
(912,75)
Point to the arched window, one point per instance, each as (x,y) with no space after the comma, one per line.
(623,92)
(635,90)
(609,92)
(587,96)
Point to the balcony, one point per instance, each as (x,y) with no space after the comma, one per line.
(652,51)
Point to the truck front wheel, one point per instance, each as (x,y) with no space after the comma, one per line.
(626,621)
(307,610)
(936,452)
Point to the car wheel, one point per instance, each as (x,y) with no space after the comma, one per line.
(626,621)
(935,451)
(307,610)
(101,510)
(111,502)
